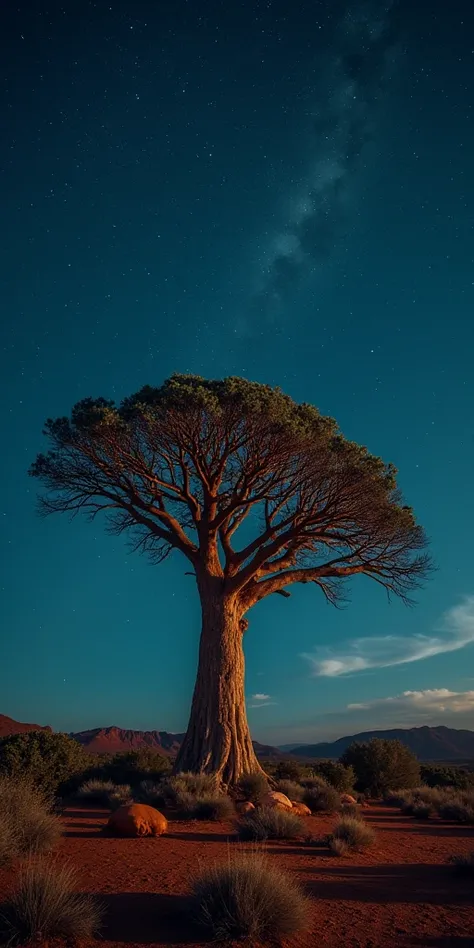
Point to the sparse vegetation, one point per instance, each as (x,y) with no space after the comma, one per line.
(382,765)
(29,827)
(270,823)
(322,799)
(253,786)
(45,905)
(457,810)
(351,835)
(352,810)
(153,794)
(95,792)
(291,789)
(246,897)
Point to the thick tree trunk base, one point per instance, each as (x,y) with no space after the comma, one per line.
(218,740)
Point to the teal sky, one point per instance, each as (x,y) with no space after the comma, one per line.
(283,194)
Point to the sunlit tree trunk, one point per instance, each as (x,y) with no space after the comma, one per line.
(218,738)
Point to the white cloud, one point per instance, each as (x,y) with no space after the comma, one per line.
(455,631)
(261,701)
(422,703)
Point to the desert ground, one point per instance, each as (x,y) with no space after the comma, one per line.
(400,893)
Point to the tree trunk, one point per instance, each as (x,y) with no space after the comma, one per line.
(218,738)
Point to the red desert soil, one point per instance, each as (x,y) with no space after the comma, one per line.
(401,893)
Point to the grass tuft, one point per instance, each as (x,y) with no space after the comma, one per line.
(253,786)
(213,807)
(270,823)
(246,897)
(294,791)
(29,827)
(45,905)
(355,835)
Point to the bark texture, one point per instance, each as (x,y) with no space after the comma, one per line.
(218,738)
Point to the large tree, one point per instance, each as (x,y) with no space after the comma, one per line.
(181,467)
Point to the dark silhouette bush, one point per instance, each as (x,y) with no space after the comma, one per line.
(335,774)
(136,765)
(322,799)
(382,765)
(49,761)
(288,770)
(435,776)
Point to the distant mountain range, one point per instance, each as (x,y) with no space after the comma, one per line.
(428,743)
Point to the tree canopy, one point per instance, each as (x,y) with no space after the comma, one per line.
(181,466)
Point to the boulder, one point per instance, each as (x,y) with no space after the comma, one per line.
(245,807)
(275,799)
(346,799)
(300,808)
(137,819)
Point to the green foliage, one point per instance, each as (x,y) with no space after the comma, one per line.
(294,791)
(45,905)
(322,799)
(351,835)
(434,775)
(336,774)
(246,897)
(47,760)
(382,765)
(270,823)
(288,770)
(132,767)
(27,824)
(240,428)
(253,786)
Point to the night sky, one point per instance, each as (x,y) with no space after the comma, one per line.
(273,190)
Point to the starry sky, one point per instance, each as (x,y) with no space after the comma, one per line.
(278,191)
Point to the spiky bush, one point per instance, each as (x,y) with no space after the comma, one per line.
(352,810)
(246,897)
(178,789)
(151,793)
(121,795)
(253,786)
(422,811)
(45,905)
(29,825)
(95,792)
(270,823)
(351,835)
(213,807)
(458,811)
(322,799)
(292,790)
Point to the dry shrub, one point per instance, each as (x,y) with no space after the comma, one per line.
(423,811)
(322,799)
(28,824)
(351,835)
(45,905)
(246,897)
(213,807)
(197,784)
(458,811)
(352,810)
(463,865)
(120,796)
(95,792)
(152,793)
(270,823)
(253,786)
(294,791)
